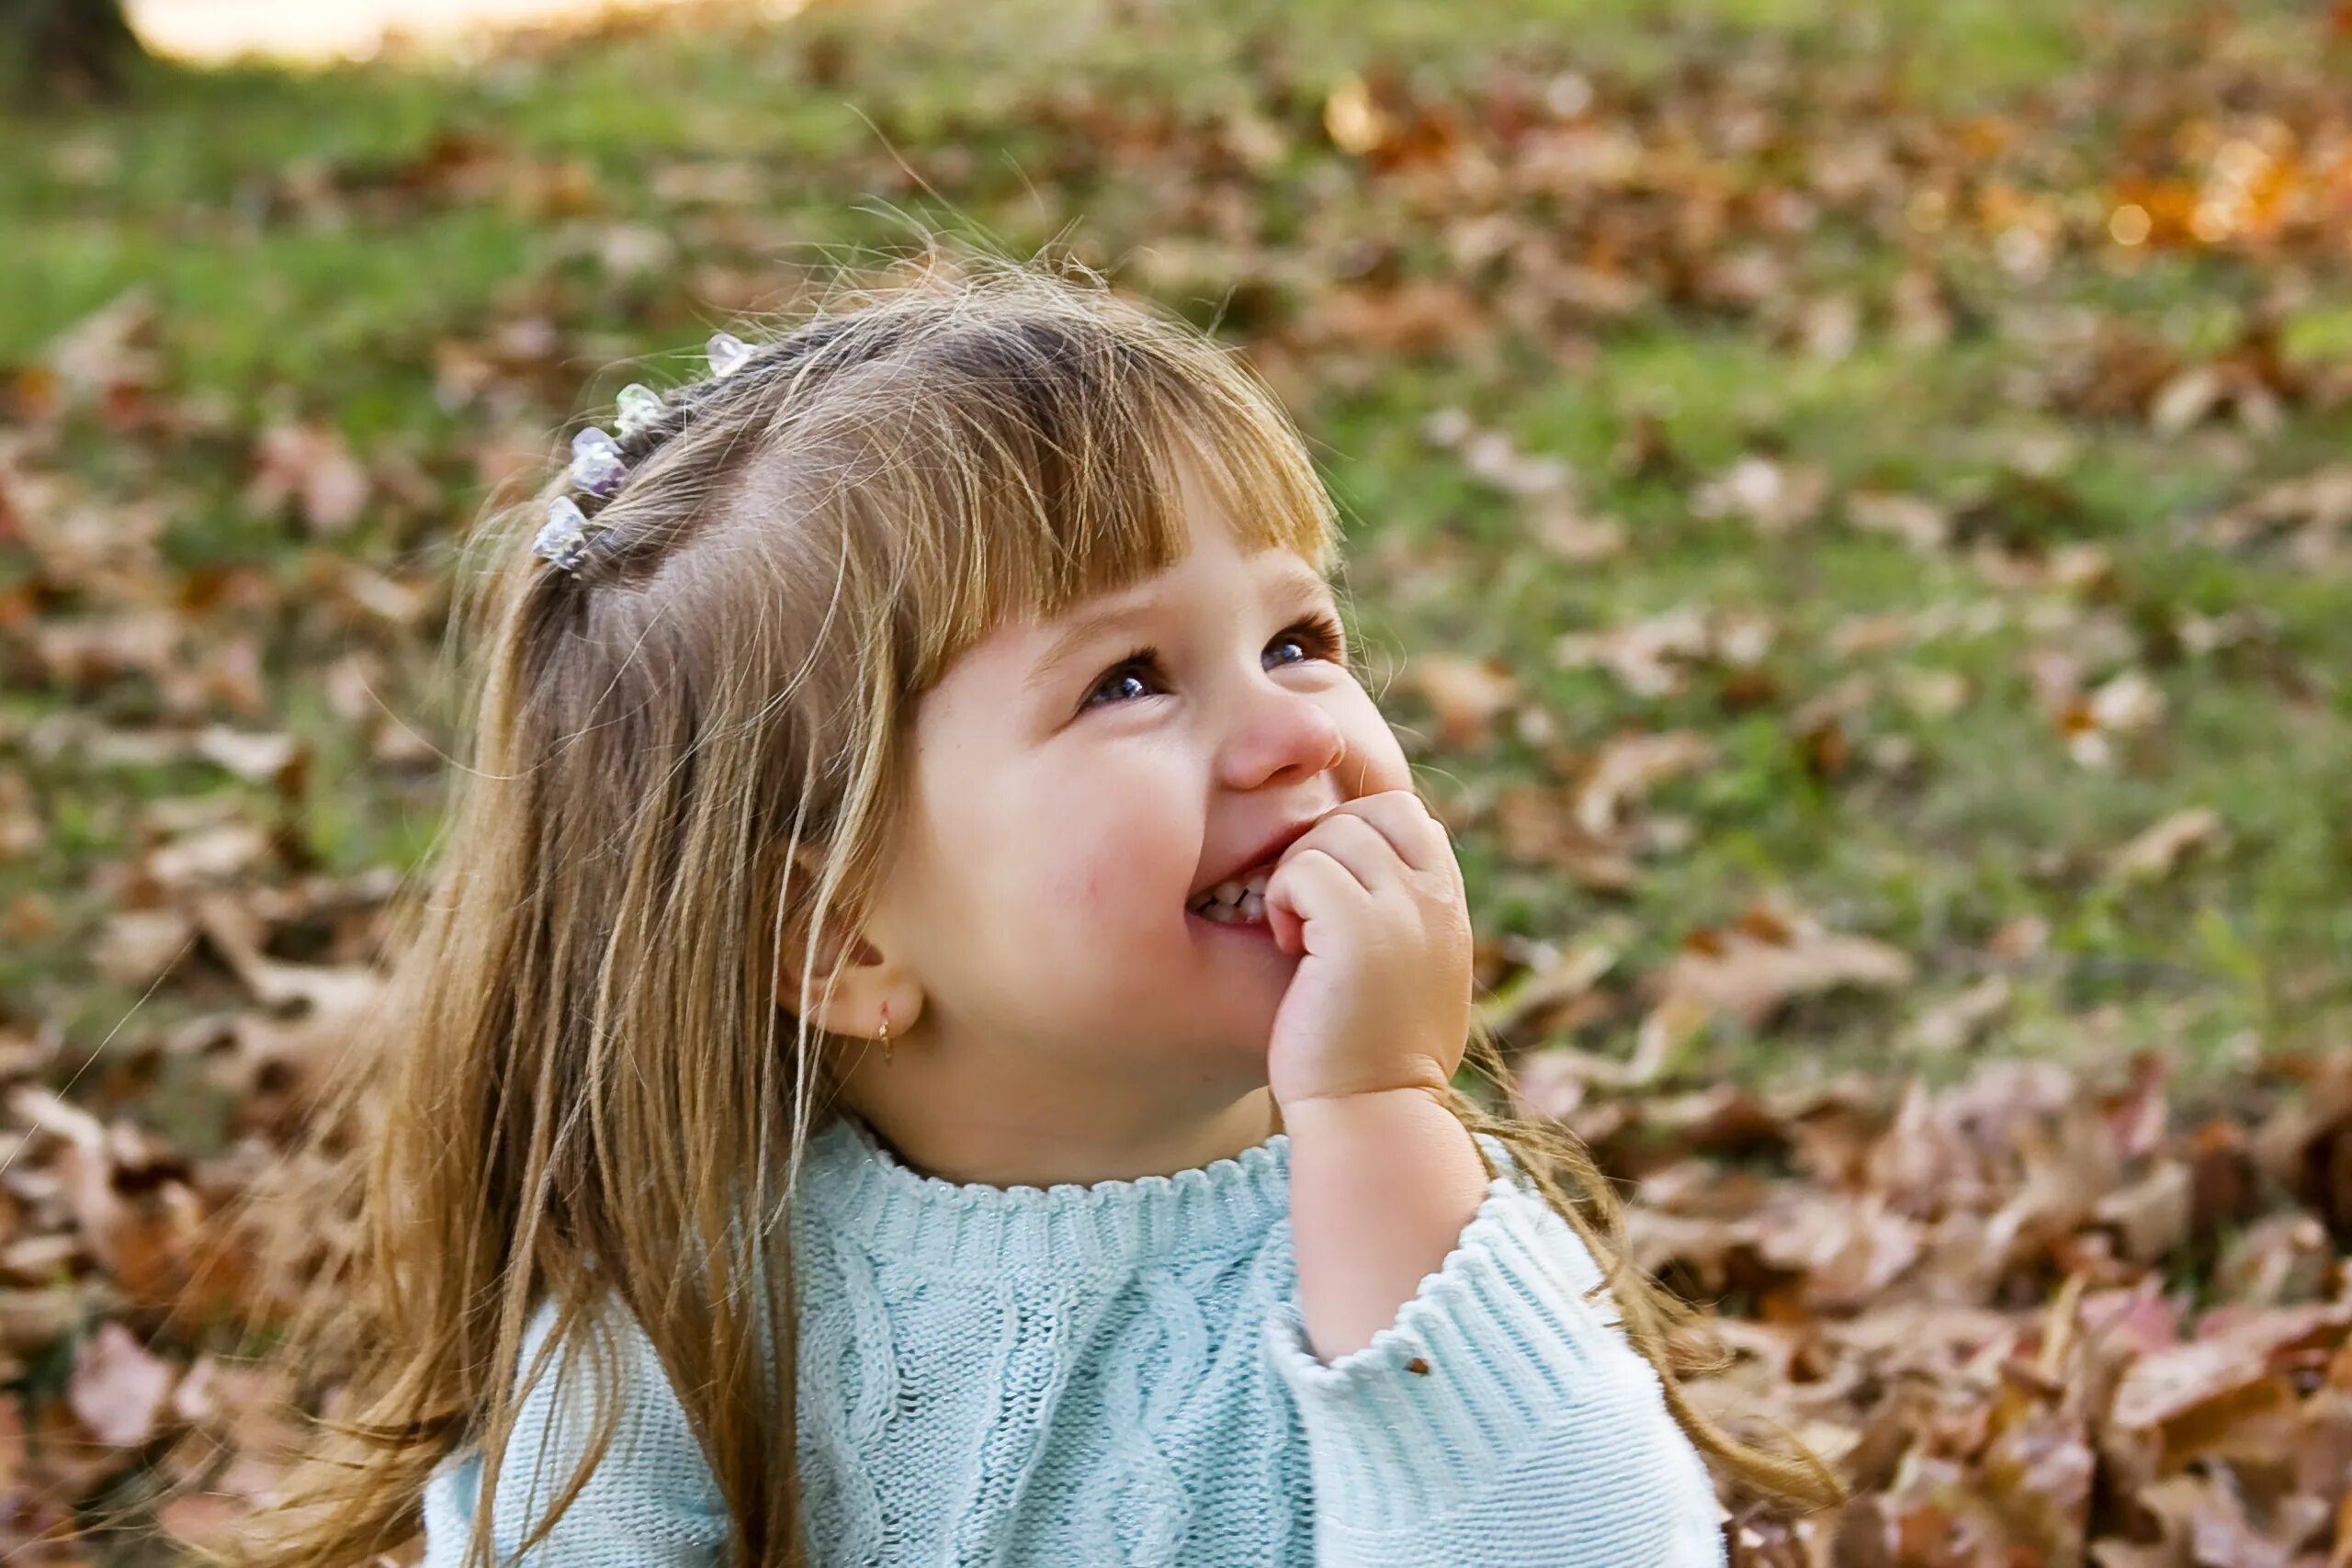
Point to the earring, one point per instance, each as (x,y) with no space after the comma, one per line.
(885,1035)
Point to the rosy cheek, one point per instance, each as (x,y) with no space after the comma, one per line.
(1085,891)
(1104,887)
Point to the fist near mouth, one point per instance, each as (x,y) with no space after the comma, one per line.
(1370,900)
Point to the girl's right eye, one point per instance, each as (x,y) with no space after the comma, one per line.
(1128,673)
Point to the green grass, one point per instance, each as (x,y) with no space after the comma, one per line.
(849,124)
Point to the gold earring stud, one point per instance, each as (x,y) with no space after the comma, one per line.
(886,1057)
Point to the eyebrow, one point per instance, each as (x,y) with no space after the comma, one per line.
(1295,578)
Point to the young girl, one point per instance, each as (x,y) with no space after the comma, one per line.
(935,1040)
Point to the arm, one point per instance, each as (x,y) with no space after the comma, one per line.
(650,1502)
(1501,1421)
(1381,1186)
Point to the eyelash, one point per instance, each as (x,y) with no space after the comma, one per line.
(1322,631)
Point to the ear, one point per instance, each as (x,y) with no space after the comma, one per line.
(871,985)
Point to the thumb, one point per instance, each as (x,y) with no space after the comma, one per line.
(1283,916)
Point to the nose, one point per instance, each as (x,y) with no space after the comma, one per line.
(1282,737)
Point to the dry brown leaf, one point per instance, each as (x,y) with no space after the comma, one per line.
(2170,1385)
(1751,969)
(2127,704)
(1916,521)
(117,1387)
(259,759)
(1468,695)
(1653,657)
(1776,497)
(1570,975)
(2155,853)
(1627,768)
(133,946)
(1537,825)
(1956,1022)
(1574,536)
(309,465)
(2153,1214)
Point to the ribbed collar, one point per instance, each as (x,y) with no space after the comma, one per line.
(850,1181)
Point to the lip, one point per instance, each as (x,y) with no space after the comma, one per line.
(1281,840)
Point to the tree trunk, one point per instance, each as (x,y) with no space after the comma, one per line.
(68,47)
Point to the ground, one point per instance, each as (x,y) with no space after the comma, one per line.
(1851,507)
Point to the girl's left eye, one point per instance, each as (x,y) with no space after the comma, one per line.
(1318,637)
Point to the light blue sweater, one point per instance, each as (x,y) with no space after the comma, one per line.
(1084,1377)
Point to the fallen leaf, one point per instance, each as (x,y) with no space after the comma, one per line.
(2155,853)
(117,1387)
(309,465)
(1776,497)
(1916,521)
(1774,954)
(1627,768)
(1467,693)
(1959,1020)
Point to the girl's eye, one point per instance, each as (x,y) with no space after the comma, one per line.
(1132,671)
(1318,637)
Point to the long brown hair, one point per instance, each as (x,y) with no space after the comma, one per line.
(582,1078)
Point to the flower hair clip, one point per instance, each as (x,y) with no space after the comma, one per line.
(597,468)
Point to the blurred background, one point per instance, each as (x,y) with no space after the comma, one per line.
(1850,507)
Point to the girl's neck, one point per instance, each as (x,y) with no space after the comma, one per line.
(1005,1142)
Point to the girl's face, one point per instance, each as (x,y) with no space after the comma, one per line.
(1077,785)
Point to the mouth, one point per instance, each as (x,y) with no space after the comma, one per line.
(1240,900)
(1238,897)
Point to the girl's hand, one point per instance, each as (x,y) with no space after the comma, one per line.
(1371,897)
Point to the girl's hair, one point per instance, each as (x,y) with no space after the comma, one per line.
(578,1082)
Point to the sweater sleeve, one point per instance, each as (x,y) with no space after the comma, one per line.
(650,1503)
(1502,1421)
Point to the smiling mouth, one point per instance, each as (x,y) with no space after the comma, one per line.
(1240,901)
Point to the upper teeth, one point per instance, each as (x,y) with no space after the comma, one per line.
(1234,891)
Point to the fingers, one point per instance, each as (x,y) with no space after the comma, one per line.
(1307,883)
(1354,843)
(1417,837)
(1364,846)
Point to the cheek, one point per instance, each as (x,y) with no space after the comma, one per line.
(1118,854)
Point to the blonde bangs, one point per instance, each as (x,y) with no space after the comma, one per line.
(1117,512)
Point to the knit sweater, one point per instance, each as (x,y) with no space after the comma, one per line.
(1118,1376)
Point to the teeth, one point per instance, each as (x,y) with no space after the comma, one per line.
(1235,895)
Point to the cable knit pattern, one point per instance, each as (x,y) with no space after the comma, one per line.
(1118,1376)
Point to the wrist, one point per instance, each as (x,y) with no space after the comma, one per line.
(1383,1183)
(1393,1097)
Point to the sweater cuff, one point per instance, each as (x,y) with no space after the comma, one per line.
(1498,1356)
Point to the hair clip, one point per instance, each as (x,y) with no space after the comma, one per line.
(639,407)
(727,352)
(596,465)
(564,538)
